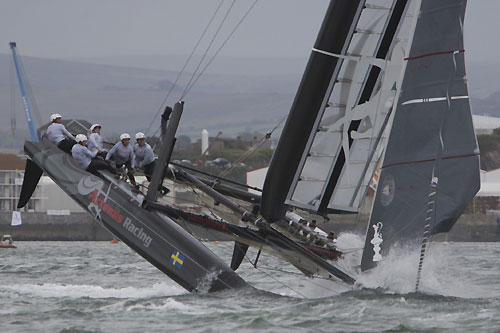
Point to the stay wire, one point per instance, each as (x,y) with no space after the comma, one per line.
(274,278)
(252,149)
(188,88)
(207,49)
(184,67)
(191,82)
(244,156)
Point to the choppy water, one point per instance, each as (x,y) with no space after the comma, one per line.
(104,287)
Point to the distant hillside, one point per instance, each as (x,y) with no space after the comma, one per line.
(125,98)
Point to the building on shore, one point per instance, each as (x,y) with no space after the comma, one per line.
(50,213)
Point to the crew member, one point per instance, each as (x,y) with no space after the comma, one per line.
(145,159)
(332,237)
(86,159)
(123,155)
(96,142)
(59,135)
(144,156)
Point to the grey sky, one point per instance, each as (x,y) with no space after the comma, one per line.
(85,28)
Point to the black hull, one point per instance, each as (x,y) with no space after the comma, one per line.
(158,239)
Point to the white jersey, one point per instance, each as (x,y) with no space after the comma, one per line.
(122,154)
(95,142)
(57,132)
(82,155)
(143,155)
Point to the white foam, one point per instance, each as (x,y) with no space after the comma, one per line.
(441,275)
(169,305)
(49,290)
(396,273)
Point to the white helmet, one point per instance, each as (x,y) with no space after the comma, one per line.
(94,126)
(124,136)
(140,135)
(81,138)
(55,116)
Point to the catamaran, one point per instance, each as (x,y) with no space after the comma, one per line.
(384,87)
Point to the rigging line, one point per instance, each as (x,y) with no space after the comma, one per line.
(311,279)
(219,49)
(274,278)
(207,49)
(244,156)
(253,149)
(203,203)
(434,186)
(269,268)
(184,67)
(216,177)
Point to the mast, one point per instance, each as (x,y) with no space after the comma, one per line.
(24,94)
(338,24)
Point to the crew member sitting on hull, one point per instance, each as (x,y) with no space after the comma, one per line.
(145,158)
(86,159)
(59,135)
(95,141)
(123,155)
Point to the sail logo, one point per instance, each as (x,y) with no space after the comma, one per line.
(177,259)
(100,205)
(92,187)
(377,240)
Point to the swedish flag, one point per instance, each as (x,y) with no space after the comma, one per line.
(177,259)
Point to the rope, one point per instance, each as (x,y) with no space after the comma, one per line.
(207,49)
(431,212)
(275,279)
(246,154)
(184,67)
(216,177)
(192,82)
(252,149)
(188,88)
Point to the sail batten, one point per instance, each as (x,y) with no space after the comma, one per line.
(350,128)
(335,34)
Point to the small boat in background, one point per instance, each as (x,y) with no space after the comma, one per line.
(6,242)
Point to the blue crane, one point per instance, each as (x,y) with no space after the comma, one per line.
(24,94)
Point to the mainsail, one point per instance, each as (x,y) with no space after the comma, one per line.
(430,170)
(330,143)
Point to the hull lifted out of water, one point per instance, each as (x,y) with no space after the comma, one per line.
(157,238)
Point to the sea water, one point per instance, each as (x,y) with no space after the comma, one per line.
(105,287)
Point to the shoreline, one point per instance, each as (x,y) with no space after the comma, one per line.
(81,226)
